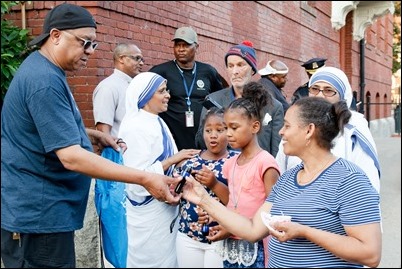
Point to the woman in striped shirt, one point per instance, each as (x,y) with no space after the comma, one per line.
(334,209)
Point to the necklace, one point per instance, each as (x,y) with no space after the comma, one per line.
(302,182)
(236,197)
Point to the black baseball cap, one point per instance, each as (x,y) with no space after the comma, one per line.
(63,17)
(314,64)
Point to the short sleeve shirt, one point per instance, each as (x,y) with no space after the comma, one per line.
(341,195)
(109,98)
(40,116)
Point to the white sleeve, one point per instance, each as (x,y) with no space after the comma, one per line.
(285,162)
(281,158)
(366,163)
(143,148)
(104,103)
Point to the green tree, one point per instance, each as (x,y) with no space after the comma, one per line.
(14,48)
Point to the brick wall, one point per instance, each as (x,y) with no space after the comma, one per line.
(293,32)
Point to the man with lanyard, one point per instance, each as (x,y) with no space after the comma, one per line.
(189,81)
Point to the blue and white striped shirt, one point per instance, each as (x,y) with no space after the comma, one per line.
(341,195)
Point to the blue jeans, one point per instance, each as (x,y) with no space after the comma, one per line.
(38,250)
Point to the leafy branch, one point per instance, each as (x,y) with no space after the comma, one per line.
(14,48)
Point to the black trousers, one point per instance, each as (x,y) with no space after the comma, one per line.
(50,250)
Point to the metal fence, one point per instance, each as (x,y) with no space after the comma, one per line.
(396,107)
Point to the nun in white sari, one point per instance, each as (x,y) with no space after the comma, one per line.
(356,144)
(151,242)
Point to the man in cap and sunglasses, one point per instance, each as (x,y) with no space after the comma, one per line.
(47,158)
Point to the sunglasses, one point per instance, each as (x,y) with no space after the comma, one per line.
(86,43)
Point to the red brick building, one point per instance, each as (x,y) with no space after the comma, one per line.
(292,31)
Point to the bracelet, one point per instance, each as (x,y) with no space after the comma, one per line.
(120,140)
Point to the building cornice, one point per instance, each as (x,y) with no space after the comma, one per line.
(364,15)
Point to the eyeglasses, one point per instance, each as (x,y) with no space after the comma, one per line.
(327,91)
(86,43)
(135,58)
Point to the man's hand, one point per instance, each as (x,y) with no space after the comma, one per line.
(159,187)
(101,140)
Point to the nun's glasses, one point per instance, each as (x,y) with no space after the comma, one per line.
(326,91)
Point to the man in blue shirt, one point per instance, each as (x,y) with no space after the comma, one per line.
(47,158)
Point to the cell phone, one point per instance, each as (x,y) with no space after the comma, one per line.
(208,103)
(186,172)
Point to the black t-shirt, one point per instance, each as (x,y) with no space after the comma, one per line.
(300,92)
(207,80)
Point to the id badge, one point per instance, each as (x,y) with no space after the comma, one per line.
(189,119)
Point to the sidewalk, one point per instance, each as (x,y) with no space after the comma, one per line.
(389,151)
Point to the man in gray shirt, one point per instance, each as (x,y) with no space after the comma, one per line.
(110,94)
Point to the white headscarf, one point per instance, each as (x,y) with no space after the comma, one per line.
(140,90)
(337,78)
(361,133)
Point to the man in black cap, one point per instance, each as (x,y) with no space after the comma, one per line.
(47,160)
(310,66)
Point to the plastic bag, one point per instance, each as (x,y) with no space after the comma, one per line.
(110,199)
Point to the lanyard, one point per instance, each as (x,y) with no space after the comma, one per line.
(188,91)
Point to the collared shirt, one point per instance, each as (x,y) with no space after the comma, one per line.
(109,100)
